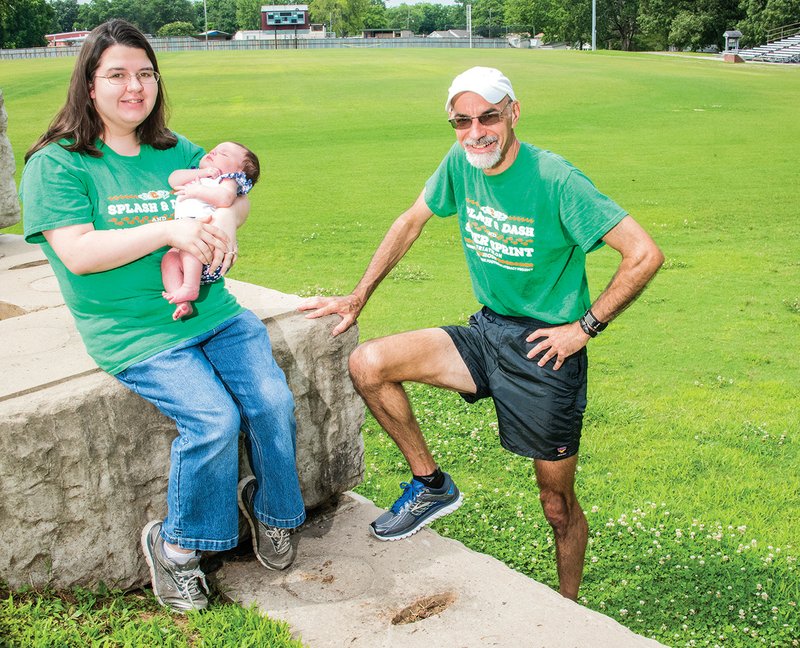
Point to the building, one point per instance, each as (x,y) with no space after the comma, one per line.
(66,38)
(450,33)
(387,33)
(214,35)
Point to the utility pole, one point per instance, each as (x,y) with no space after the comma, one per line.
(594,25)
(469,24)
(205,18)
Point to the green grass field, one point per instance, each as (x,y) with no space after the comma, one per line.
(691,449)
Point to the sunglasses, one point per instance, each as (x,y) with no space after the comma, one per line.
(462,122)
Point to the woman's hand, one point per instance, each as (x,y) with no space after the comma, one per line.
(197,236)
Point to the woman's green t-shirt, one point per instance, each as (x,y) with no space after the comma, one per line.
(120,313)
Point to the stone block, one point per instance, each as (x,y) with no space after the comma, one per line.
(28,282)
(9,204)
(84,462)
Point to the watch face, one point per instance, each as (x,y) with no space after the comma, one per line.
(595,324)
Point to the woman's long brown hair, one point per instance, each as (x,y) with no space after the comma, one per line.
(78,120)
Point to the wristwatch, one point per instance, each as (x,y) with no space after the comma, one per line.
(591,325)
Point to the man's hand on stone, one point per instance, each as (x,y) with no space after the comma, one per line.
(559,342)
(347,307)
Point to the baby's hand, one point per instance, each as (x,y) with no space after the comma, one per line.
(183,191)
(211,172)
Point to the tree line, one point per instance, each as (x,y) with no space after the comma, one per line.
(621,24)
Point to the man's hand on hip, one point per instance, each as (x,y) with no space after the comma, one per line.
(559,342)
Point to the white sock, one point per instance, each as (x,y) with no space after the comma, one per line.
(178,557)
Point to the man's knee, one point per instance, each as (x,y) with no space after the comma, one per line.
(365,364)
(557,508)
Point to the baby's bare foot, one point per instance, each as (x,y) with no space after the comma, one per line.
(184,293)
(184,309)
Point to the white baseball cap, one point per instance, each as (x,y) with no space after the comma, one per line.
(489,83)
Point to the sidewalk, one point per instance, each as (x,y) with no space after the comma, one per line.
(348,590)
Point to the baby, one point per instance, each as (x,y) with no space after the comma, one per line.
(227,171)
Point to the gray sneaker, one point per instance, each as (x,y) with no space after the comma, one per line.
(175,586)
(272,545)
(418,506)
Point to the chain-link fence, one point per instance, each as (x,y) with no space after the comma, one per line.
(282,43)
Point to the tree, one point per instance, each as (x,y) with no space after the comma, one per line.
(763,15)
(147,15)
(177,29)
(24,23)
(346,17)
(488,15)
(687,29)
(65,15)
(534,16)
(655,21)
(574,21)
(619,21)
(93,13)
(248,14)
(221,15)
(375,16)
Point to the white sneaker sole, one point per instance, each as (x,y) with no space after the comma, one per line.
(149,559)
(440,513)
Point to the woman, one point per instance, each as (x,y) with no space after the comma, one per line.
(97,199)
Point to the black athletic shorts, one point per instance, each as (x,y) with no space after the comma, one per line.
(539,410)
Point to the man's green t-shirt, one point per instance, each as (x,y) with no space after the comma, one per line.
(526,231)
(120,313)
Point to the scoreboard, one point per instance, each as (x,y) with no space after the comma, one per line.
(286,17)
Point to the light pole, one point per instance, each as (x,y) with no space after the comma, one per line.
(205,18)
(469,24)
(594,25)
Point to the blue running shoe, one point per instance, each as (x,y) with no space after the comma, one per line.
(418,506)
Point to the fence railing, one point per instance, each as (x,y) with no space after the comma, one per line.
(783,32)
(191,44)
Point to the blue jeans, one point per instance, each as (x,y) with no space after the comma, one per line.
(213,386)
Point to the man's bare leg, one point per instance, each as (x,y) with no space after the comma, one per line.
(556,481)
(378,369)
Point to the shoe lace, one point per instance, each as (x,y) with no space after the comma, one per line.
(187,583)
(279,537)
(410,493)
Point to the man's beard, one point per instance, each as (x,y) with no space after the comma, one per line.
(483,160)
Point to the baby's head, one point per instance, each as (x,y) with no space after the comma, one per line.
(232,157)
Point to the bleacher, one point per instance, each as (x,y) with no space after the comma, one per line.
(785,49)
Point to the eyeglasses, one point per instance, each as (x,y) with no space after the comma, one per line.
(462,122)
(122,78)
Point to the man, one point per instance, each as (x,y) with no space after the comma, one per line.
(527,220)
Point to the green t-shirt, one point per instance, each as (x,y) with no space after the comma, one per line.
(120,313)
(526,231)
